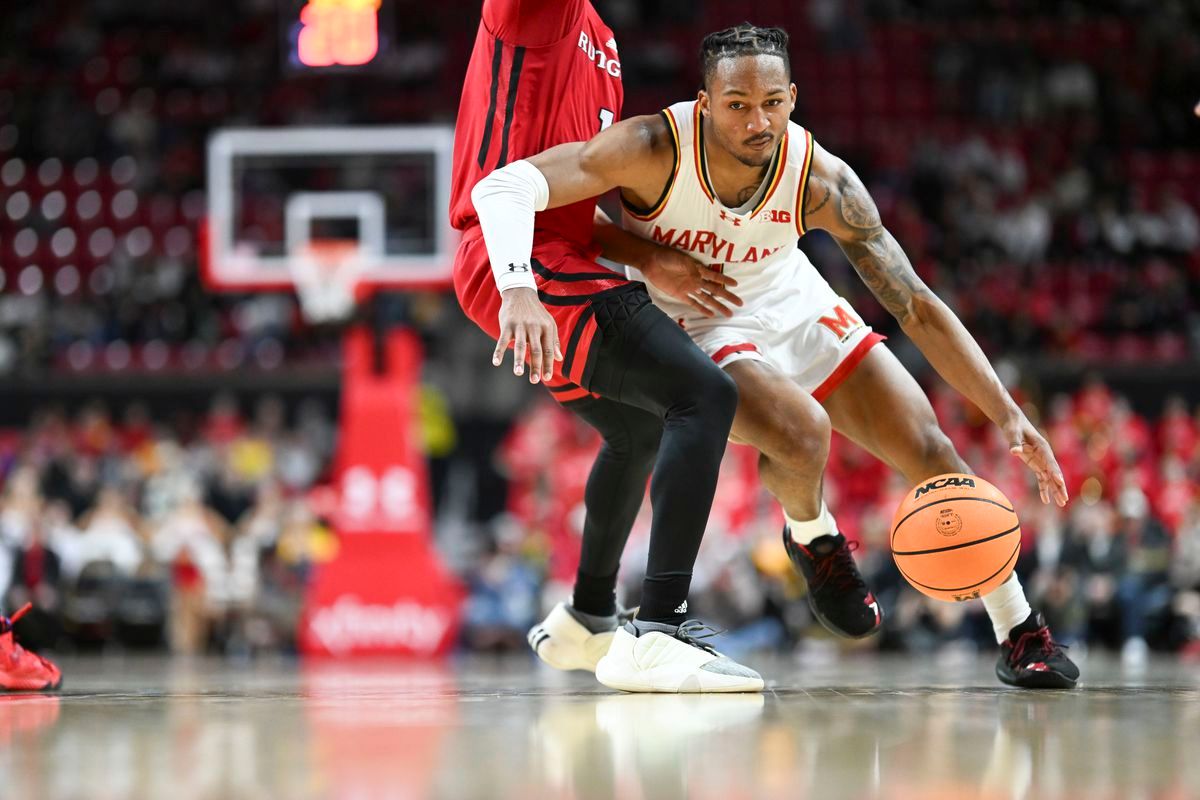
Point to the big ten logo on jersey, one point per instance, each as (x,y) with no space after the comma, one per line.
(842,323)
(775,215)
(386,501)
(595,54)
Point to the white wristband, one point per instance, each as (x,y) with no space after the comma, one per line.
(506,202)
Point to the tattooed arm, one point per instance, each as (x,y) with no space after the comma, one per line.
(838,202)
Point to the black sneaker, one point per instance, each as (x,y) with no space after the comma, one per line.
(1032,660)
(837,594)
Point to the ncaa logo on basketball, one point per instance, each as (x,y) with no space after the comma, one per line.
(948,523)
(943,483)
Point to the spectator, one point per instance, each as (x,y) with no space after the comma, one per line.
(35,579)
(109,532)
(1059,568)
(1142,586)
(503,601)
(191,540)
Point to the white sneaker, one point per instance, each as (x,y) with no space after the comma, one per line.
(563,642)
(652,657)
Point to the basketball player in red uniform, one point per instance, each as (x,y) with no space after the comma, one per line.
(542,73)
(730,178)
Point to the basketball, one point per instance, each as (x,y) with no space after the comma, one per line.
(955,537)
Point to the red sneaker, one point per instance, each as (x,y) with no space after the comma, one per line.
(21,670)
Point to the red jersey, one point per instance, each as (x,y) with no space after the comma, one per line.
(543,72)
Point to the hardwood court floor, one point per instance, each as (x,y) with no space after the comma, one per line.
(854,728)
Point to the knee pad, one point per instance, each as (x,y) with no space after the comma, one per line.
(614,311)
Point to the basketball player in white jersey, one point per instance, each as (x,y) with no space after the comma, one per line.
(730,181)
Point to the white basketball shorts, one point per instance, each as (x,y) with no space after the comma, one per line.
(816,350)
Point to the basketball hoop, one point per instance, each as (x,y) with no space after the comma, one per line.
(326,274)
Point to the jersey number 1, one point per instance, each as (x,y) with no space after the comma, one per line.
(606,118)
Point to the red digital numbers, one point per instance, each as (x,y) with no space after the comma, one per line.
(338,32)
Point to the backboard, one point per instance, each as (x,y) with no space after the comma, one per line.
(277,195)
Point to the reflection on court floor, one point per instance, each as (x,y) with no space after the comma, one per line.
(861,728)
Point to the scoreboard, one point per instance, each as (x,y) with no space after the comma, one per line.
(334,34)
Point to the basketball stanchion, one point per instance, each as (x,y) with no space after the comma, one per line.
(385,591)
(336,214)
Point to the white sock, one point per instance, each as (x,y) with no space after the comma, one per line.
(805,532)
(1007,607)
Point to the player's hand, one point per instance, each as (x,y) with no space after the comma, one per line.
(526,323)
(687,280)
(1031,447)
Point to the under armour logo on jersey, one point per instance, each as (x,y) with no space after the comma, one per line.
(681,608)
(730,218)
(518,268)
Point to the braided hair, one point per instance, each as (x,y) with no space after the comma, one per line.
(743,40)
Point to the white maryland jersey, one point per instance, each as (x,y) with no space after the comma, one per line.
(756,244)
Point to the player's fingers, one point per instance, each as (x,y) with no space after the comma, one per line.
(1040,471)
(725,295)
(501,345)
(694,302)
(534,343)
(540,353)
(519,351)
(1053,470)
(547,353)
(1049,473)
(535,354)
(1059,488)
(716,305)
(712,276)
(1045,487)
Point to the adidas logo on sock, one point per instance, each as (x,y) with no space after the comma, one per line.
(681,608)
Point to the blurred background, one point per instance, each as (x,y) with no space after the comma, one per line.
(160,444)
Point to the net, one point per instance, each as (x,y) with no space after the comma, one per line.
(326,274)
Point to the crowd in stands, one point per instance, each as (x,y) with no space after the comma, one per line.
(124,531)
(1031,157)
(200,537)
(1119,567)
(1022,152)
